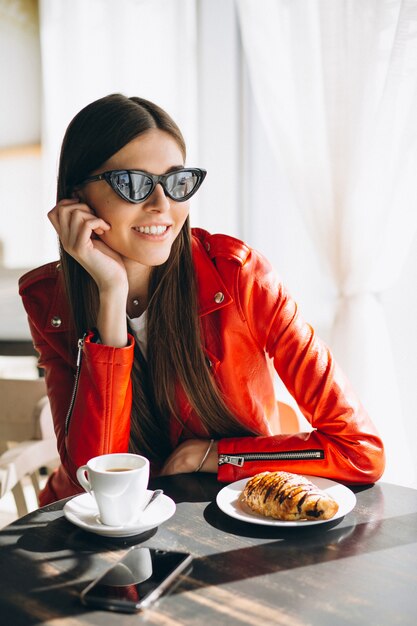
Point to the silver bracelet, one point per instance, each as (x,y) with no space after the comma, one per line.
(200,465)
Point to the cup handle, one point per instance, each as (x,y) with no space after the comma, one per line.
(82,479)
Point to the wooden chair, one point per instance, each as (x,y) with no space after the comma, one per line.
(27,438)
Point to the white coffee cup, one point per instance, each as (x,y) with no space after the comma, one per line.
(118,482)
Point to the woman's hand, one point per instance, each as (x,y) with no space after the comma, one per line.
(79,229)
(187,457)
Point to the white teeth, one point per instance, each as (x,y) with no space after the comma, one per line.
(151,230)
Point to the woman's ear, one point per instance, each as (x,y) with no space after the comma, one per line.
(77,194)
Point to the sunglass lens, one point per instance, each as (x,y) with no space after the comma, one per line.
(180,185)
(132,186)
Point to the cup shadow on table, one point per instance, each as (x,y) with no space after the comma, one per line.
(53,560)
(48,539)
(70,560)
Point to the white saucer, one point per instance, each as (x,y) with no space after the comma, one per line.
(228,501)
(82,511)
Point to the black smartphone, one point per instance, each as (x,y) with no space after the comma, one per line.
(137,580)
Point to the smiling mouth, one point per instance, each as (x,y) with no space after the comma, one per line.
(151,230)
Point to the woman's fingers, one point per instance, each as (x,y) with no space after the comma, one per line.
(75,224)
(56,214)
(80,228)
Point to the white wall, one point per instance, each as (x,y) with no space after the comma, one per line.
(20,72)
(21,227)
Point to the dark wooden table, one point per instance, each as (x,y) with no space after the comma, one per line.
(362,570)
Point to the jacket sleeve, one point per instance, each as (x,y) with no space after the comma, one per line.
(98,421)
(343,443)
(90,404)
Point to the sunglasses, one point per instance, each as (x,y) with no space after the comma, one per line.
(136,186)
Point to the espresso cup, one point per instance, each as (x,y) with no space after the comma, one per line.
(118,483)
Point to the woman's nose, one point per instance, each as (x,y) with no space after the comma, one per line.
(157,201)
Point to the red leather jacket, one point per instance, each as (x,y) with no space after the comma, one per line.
(256,321)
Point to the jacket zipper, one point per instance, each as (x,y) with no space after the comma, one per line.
(288,455)
(77,376)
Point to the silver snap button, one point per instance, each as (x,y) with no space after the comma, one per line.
(58,266)
(207,246)
(56,321)
(219,297)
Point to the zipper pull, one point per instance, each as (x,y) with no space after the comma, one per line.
(231,460)
(80,344)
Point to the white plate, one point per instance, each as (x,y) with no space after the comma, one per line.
(228,501)
(82,511)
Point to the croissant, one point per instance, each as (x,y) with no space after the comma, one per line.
(288,497)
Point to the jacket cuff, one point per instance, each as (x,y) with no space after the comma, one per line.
(102,353)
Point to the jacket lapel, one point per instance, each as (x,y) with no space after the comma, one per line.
(212,291)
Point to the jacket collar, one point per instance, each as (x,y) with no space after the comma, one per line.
(212,291)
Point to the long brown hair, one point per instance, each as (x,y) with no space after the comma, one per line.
(174,340)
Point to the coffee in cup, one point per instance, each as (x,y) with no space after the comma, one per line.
(118,482)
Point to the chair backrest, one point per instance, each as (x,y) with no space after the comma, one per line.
(27,438)
(21,405)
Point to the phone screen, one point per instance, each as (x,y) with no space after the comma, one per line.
(137,580)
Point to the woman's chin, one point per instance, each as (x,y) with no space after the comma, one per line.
(149,260)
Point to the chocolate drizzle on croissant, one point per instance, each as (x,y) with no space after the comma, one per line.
(287,496)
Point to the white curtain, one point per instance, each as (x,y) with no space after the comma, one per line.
(335,82)
(91,48)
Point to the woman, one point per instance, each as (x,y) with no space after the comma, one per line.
(175,329)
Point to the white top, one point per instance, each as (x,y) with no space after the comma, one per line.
(138,327)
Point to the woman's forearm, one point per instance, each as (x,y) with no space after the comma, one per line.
(111,319)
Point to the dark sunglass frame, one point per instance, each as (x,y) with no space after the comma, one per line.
(108,177)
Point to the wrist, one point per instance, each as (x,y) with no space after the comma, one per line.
(208,462)
(110,293)
(111,318)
